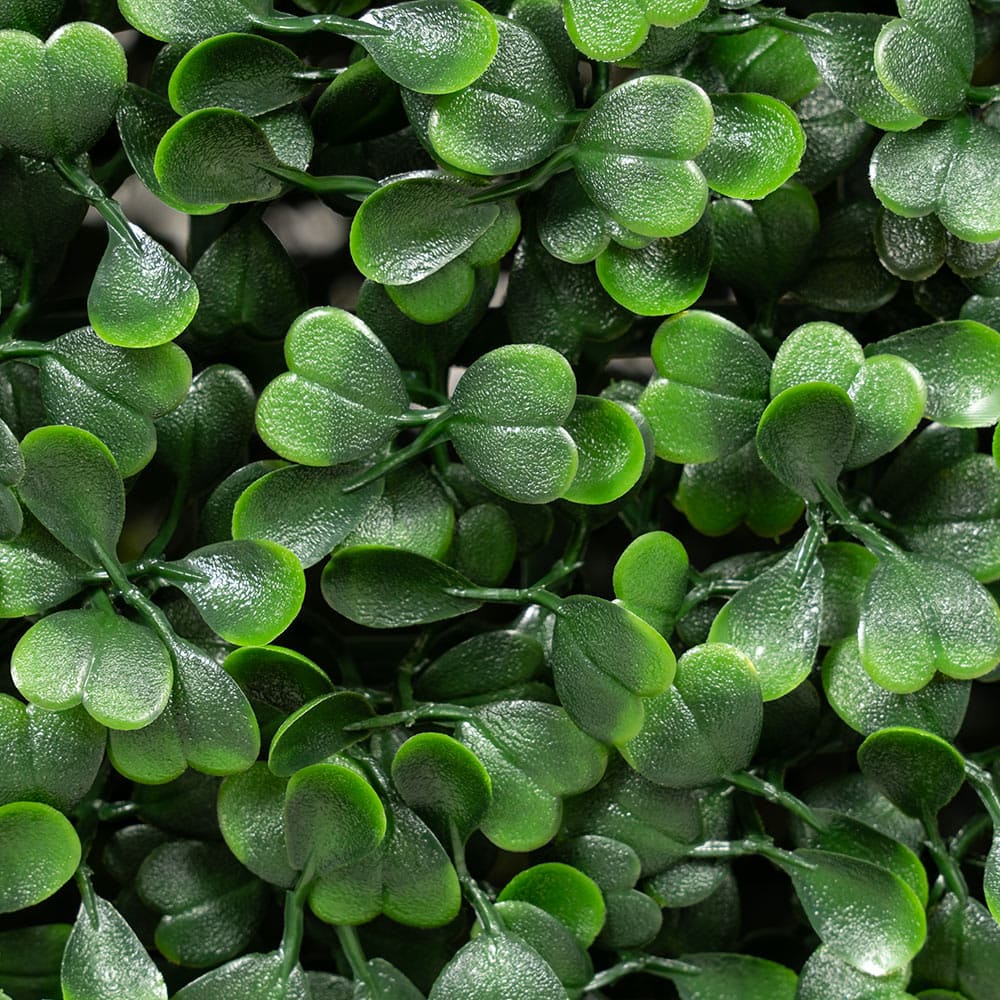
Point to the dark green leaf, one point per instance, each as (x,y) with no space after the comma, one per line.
(316,731)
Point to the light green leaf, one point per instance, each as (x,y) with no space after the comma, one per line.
(39,852)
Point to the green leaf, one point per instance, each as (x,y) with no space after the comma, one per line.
(484,545)
(37,16)
(246,73)
(39,852)
(805,436)
(535,756)
(960,364)
(843,53)
(755,146)
(210,905)
(30,957)
(911,248)
(276,679)
(304,509)
(113,392)
(710,388)
(511,117)
(50,757)
(706,725)
(943,167)
(566,893)
(743,976)
(254,976)
(635,151)
(382,587)
(718,496)
(60,95)
(431,46)
(118,670)
(333,817)
(608,30)
(774,620)
(497,966)
(865,706)
(439,297)
(825,975)
(846,569)
(189,21)
(251,818)
(207,724)
(570,226)
(215,157)
(925,59)
(247,284)
(413,225)
(103,954)
(918,771)
(765,60)
(316,731)
(861,912)
(72,485)
(651,578)
(605,661)
(666,276)
(360,103)
(140,298)
(920,615)
(441,779)
(321,412)
(202,439)
(247,591)
(508,408)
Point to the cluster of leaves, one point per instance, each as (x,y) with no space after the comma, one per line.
(420,793)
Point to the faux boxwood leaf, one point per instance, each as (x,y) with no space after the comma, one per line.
(610,449)
(651,578)
(508,410)
(276,677)
(140,297)
(765,60)
(321,412)
(605,661)
(50,757)
(215,157)
(113,392)
(60,95)
(484,545)
(249,592)
(745,976)
(303,509)
(920,615)
(865,706)
(439,297)
(39,851)
(774,620)
(703,727)
(103,955)
(412,226)
(72,485)
(118,670)
(535,756)
(942,167)
(609,31)
(256,976)
(635,151)
(960,364)
(316,731)
(190,21)
(704,404)
(508,119)
(566,893)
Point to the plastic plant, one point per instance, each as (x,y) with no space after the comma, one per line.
(620,486)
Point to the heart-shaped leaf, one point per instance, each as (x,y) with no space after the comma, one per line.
(919,616)
(60,95)
(50,757)
(535,756)
(320,412)
(140,296)
(511,117)
(103,953)
(508,409)
(316,731)
(39,852)
(117,669)
(710,388)
(942,167)
(635,154)
(918,771)
(72,485)
(925,58)
(651,578)
(605,661)
(703,727)
(960,365)
(609,30)
(413,225)
(566,893)
(765,60)
(247,591)
(866,706)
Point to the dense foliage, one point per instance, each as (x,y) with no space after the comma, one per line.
(621,492)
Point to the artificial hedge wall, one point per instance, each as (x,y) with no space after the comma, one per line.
(620,491)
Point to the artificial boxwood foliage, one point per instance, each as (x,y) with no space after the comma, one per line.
(577,580)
